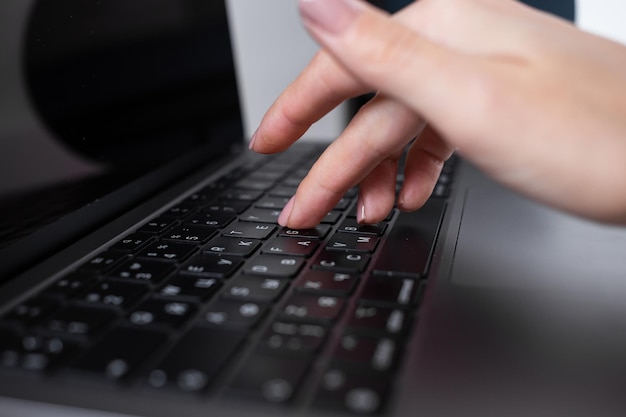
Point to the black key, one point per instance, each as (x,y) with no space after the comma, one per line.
(143,271)
(70,285)
(377,321)
(312,309)
(157,226)
(210,218)
(103,262)
(113,294)
(260,215)
(318,232)
(389,292)
(78,322)
(350,225)
(274,266)
(269,378)
(341,261)
(223,245)
(343,204)
(277,203)
(322,282)
(246,230)
(366,355)
(342,391)
(234,315)
(167,251)
(31,311)
(188,287)
(283,191)
(410,242)
(212,266)
(120,352)
(294,338)
(241,195)
(195,360)
(246,287)
(131,243)
(331,217)
(228,206)
(161,314)
(290,246)
(256,184)
(191,233)
(34,352)
(180,211)
(352,242)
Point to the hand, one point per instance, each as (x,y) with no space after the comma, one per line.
(535,103)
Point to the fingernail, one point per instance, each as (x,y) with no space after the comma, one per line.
(283,219)
(360,215)
(329,15)
(252,140)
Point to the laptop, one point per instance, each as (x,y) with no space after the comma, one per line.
(143,273)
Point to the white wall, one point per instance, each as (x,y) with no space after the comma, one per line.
(603,17)
(271,47)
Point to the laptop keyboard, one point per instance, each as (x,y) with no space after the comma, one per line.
(212,297)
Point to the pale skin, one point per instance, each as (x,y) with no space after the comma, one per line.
(532,101)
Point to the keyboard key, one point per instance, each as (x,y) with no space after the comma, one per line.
(79,322)
(277,203)
(181,210)
(32,352)
(291,246)
(241,195)
(113,294)
(246,287)
(293,338)
(274,266)
(246,230)
(222,245)
(260,215)
(308,308)
(377,321)
(410,242)
(189,288)
(365,355)
(120,352)
(323,282)
(318,232)
(70,285)
(161,314)
(269,378)
(210,218)
(31,311)
(143,271)
(212,266)
(103,262)
(195,359)
(167,251)
(389,292)
(352,242)
(228,206)
(157,226)
(131,243)
(341,261)
(234,315)
(350,225)
(342,391)
(191,233)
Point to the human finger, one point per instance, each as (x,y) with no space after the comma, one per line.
(365,153)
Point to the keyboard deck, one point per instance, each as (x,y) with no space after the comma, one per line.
(211,297)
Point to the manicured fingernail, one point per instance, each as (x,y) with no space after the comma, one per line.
(329,15)
(360,215)
(283,219)
(252,140)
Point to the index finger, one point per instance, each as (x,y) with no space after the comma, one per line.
(319,88)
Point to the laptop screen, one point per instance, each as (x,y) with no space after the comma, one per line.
(98,93)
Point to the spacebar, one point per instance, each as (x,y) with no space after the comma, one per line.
(409,244)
